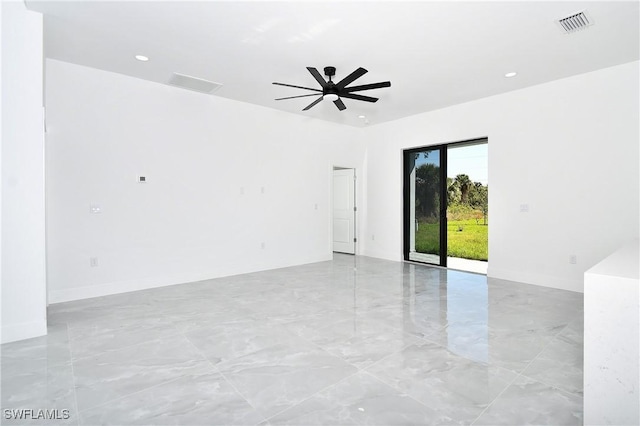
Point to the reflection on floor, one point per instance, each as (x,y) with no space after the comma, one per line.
(355,340)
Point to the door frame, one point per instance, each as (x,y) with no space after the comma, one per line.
(355,204)
(406,202)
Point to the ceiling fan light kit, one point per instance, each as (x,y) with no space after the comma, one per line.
(335,91)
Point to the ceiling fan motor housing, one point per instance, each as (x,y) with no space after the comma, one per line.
(330,89)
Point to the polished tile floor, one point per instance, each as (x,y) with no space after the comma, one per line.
(352,341)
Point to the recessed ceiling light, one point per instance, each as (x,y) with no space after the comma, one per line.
(511,74)
(142,58)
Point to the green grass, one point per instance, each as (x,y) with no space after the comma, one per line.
(466,239)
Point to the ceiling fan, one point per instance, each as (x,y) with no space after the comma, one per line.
(335,91)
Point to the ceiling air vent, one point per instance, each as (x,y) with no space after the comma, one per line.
(575,22)
(193,83)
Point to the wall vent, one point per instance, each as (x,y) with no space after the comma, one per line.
(576,22)
(193,83)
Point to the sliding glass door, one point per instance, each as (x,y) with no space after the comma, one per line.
(425,227)
(446,205)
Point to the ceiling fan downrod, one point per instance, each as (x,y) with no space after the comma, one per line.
(330,72)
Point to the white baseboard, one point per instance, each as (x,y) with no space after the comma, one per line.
(536,279)
(117,287)
(387,255)
(25,330)
(107,289)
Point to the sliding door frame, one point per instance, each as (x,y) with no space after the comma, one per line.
(406,194)
(442,192)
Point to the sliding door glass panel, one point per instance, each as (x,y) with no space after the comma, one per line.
(468,206)
(423,204)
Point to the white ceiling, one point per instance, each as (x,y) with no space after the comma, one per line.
(435,53)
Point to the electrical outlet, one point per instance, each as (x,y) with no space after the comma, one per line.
(524,208)
(93,262)
(373,237)
(573,259)
(95,209)
(262,245)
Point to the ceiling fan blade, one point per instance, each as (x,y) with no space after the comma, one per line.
(313,103)
(299,96)
(340,104)
(314,72)
(358,97)
(298,87)
(367,87)
(351,77)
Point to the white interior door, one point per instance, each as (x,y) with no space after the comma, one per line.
(344,211)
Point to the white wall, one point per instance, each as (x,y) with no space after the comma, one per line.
(202,213)
(23,207)
(569,149)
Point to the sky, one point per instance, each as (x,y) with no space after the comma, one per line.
(470,160)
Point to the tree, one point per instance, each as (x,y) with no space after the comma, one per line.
(479,199)
(464,183)
(453,192)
